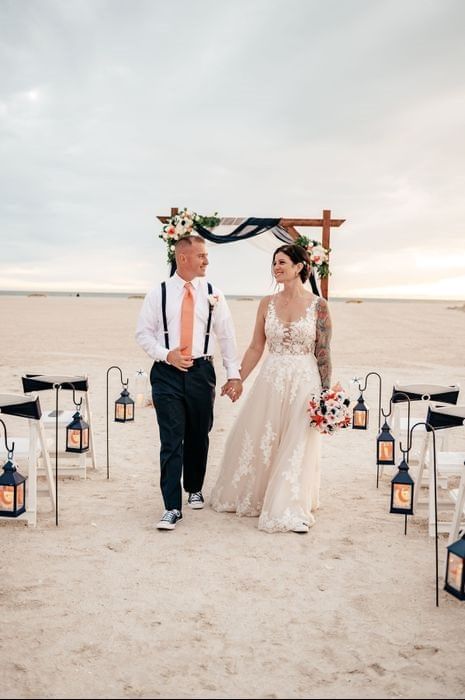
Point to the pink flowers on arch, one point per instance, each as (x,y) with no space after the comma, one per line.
(329,411)
(183,224)
(179,225)
(318,254)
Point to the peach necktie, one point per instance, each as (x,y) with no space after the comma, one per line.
(187,319)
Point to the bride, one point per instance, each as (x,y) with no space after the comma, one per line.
(271,462)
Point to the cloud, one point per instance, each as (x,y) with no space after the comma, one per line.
(112,112)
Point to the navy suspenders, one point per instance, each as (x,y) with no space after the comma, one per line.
(165,323)
(209,322)
(163,310)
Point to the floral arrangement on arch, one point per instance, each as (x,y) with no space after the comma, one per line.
(318,255)
(329,411)
(183,224)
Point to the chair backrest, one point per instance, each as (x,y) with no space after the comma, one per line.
(20,406)
(419,397)
(440,417)
(426,392)
(44,382)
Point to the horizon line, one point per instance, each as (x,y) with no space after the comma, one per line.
(65,292)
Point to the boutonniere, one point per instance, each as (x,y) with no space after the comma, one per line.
(213,299)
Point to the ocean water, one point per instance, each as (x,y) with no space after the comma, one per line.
(15,293)
(244,297)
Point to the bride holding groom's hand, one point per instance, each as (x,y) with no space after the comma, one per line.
(271,462)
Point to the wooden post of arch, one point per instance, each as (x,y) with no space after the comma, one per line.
(326,222)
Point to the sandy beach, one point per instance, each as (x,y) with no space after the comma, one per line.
(106,606)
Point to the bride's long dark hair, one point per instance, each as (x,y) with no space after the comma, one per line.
(298,254)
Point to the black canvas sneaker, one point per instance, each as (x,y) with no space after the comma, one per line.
(195,500)
(169,519)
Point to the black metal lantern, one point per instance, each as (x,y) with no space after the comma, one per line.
(385,446)
(360,415)
(124,407)
(455,569)
(12,490)
(402,486)
(77,434)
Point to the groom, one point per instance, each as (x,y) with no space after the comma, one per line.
(175,328)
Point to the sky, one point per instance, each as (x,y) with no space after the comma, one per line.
(114,111)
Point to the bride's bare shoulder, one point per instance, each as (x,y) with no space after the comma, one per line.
(264,301)
(263,305)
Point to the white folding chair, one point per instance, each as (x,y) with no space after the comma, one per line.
(419,396)
(41,382)
(31,448)
(449,468)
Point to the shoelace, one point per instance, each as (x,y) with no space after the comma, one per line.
(196,496)
(169,516)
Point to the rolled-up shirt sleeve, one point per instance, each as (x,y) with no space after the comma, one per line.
(223,328)
(148,326)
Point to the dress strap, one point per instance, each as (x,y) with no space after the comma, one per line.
(271,307)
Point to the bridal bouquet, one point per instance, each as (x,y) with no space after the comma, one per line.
(330,410)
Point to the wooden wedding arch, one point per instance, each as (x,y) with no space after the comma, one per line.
(325,223)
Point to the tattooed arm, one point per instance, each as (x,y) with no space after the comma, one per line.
(323,338)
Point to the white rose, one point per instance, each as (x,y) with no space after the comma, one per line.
(318,254)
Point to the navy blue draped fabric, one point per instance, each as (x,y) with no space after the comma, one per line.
(249,228)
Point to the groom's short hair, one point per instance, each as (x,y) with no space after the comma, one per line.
(187,241)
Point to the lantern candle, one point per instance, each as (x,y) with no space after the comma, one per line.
(402,486)
(385,446)
(360,415)
(77,434)
(402,496)
(386,452)
(124,407)
(455,569)
(12,490)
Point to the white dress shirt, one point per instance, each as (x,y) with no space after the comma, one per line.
(150,331)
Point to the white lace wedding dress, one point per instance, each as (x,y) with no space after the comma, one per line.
(271,461)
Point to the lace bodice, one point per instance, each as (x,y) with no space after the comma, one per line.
(293,338)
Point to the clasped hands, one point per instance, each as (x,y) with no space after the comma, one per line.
(232,388)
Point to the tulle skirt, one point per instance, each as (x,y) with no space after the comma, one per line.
(271,462)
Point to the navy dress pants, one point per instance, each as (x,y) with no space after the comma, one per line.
(184,407)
